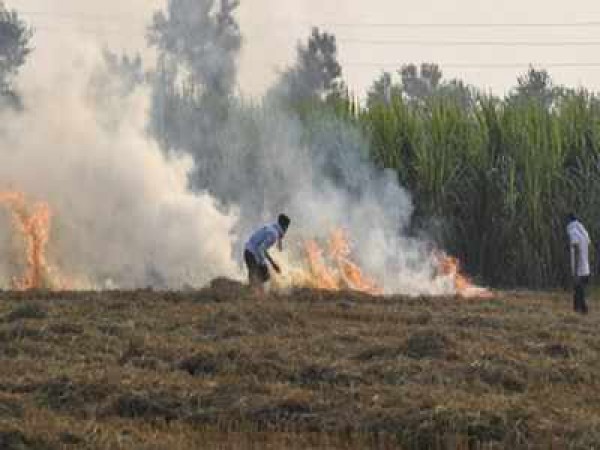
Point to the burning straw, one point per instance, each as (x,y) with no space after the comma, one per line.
(33,224)
(329,266)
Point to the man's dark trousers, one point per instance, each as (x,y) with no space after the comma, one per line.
(579,303)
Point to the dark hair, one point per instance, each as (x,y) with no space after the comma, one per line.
(284,222)
(571,217)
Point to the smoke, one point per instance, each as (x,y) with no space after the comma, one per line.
(317,172)
(262,159)
(122,212)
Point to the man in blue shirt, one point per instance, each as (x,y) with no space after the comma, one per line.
(256,253)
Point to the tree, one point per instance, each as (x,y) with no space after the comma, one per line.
(535,85)
(420,83)
(117,77)
(383,90)
(316,73)
(460,92)
(15,37)
(128,70)
(200,42)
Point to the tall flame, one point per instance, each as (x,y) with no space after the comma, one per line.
(323,276)
(33,223)
(354,278)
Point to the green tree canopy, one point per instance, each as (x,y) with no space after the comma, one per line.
(536,85)
(15,38)
(316,73)
(200,41)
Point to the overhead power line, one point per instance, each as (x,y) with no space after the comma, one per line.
(119,29)
(435,43)
(112,17)
(79,16)
(92,31)
(481,66)
(397,42)
(463,25)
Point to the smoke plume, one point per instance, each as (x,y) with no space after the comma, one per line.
(317,172)
(128,212)
(122,212)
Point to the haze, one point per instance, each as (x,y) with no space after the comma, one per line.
(272,29)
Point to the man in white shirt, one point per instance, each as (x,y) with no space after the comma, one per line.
(256,252)
(579,243)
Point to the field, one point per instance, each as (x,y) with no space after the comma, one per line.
(183,370)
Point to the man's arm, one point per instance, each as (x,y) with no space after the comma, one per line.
(273,263)
(575,249)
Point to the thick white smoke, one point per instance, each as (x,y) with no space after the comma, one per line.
(122,211)
(324,185)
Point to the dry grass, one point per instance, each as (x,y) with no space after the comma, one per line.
(219,369)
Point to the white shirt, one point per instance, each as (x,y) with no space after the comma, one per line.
(579,236)
(262,240)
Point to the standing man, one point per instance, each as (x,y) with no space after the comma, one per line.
(256,253)
(579,243)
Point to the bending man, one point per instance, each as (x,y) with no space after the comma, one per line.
(256,253)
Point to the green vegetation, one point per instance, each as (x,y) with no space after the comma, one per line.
(15,46)
(492,179)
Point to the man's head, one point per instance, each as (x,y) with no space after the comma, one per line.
(284,222)
(571,217)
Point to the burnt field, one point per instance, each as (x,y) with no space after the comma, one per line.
(169,370)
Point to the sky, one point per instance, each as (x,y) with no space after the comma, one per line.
(372,36)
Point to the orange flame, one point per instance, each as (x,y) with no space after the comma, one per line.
(322,276)
(33,222)
(450,266)
(339,249)
(336,271)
